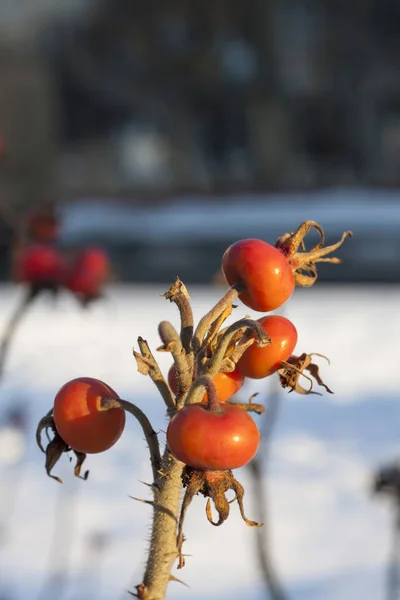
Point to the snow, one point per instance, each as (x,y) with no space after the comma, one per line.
(329,537)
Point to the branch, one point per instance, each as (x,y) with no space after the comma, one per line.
(212,315)
(178,293)
(163,545)
(149,433)
(184,374)
(272,583)
(199,385)
(147,365)
(393,573)
(205,382)
(12,325)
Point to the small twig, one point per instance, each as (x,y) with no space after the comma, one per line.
(147,365)
(178,293)
(262,340)
(272,583)
(393,574)
(184,374)
(12,325)
(149,433)
(212,315)
(199,385)
(206,382)
(58,569)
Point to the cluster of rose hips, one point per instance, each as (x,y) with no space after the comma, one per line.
(40,264)
(208,434)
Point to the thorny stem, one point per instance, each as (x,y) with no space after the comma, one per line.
(167,483)
(147,365)
(149,433)
(172,343)
(163,543)
(13,323)
(214,364)
(214,313)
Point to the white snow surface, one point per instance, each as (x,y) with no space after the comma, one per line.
(329,537)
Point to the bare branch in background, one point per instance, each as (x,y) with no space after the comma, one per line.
(258,469)
(12,326)
(387,483)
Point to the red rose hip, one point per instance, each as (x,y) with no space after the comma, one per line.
(264,272)
(258,362)
(215,440)
(79,420)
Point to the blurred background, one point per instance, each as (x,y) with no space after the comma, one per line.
(162,132)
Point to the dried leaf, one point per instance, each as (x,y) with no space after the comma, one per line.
(259,409)
(293,369)
(216,325)
(143,364)
(314,371)
(167,347)
(178,287)
(232,358)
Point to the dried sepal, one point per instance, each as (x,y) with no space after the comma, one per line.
(80,459)
(212,485)
(303,262)
(250,406)
(45,423)
(292,369)
(56,447)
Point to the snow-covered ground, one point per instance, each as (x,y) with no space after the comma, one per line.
(329,537)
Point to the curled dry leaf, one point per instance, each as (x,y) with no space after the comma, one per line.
(235,353)
(215,327)
(293,369)
(143,364)
(178,287)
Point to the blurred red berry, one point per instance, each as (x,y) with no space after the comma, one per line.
(39,265)
(88,274)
